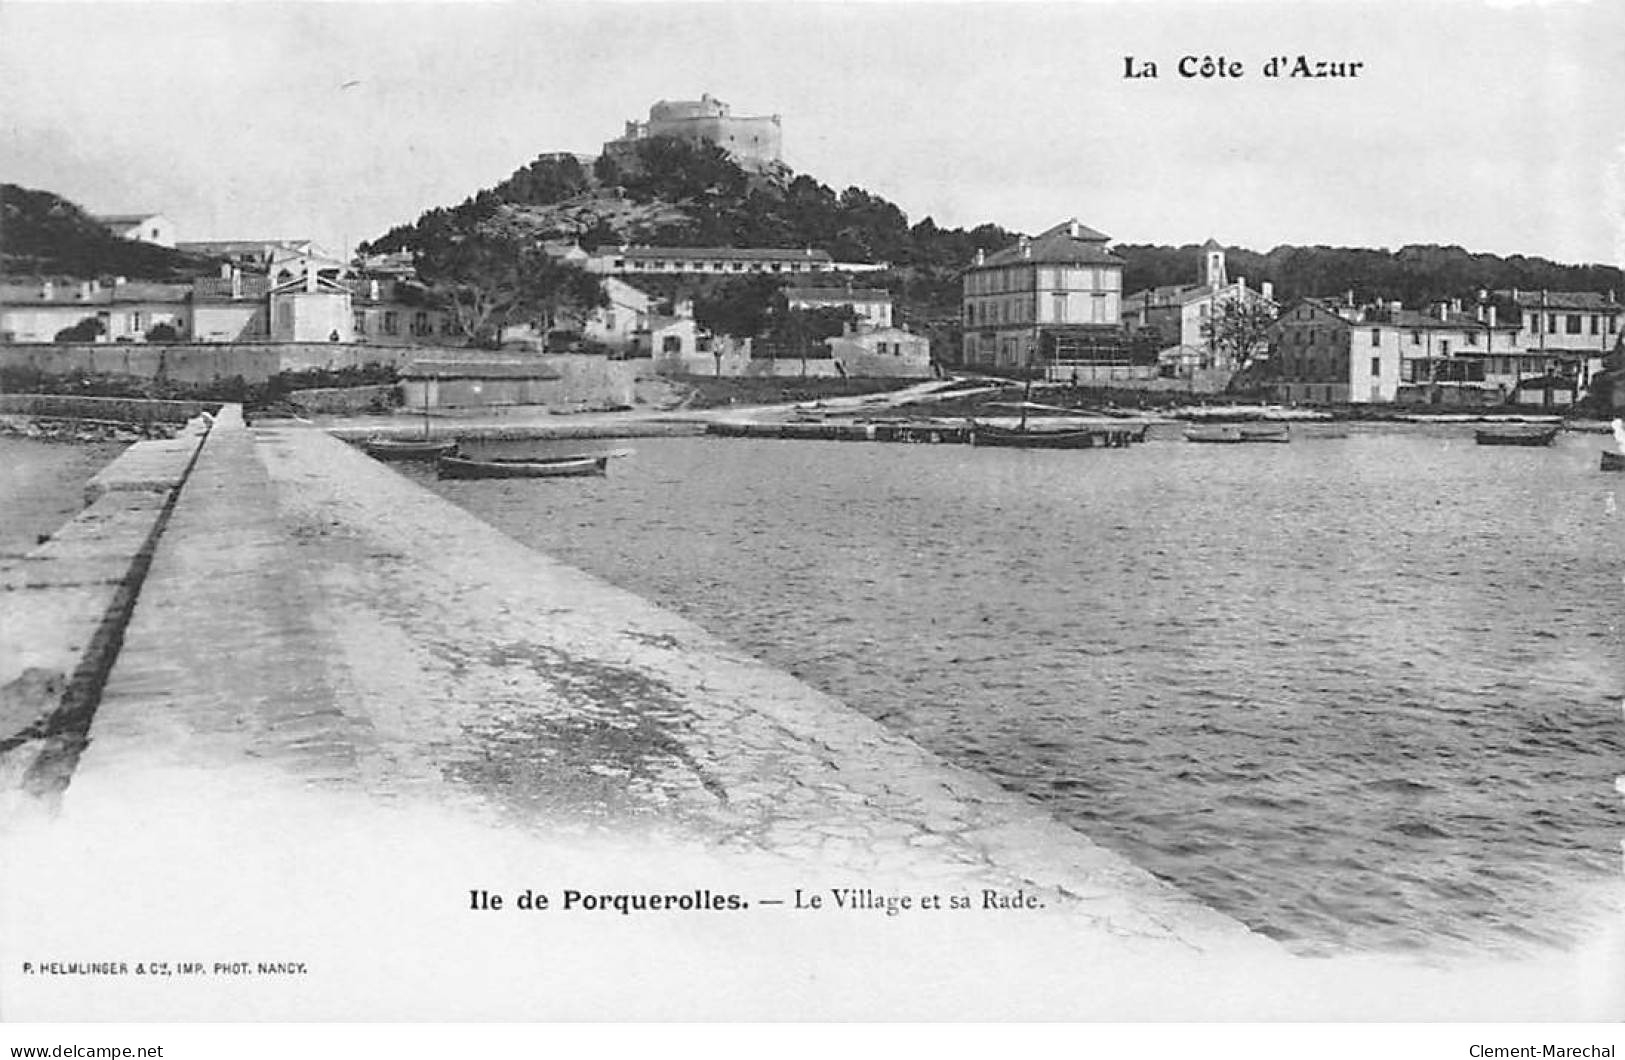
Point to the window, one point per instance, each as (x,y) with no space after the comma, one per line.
(359,318)
(1416,338)
(392,325)
(1376,336)
(1376,366)
(1472,338)
(1444,347)
(609,321)
(137,318)
(1573,323)
(1595,322)
(1613,325)
(1551,323)
(420,323)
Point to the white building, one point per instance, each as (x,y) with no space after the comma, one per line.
(1054,296)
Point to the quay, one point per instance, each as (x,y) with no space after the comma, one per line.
(255,637)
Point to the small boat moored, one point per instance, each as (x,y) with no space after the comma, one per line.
(1233,434)
(408,449)
(1517,434)
(455,466)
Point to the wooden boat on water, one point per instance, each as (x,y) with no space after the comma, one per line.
(1612,461)
(452,465)
(1049,437)
(1232,434)
(1517,434)
(407,449)
(1053,435)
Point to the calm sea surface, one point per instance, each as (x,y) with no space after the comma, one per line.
(1360,692)
(42,486)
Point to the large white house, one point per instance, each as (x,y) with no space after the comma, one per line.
(1054,296)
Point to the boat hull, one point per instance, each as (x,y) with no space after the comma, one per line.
(568,467)
(1612,461)
(1237,435)
(1529,436)
(984,434)
(387,449)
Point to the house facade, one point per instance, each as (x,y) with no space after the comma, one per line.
(382,313)
(1052,298)
(882,353)
(1180,313)
(122,311)
(714,261)
(1324,353)
(873,305)
(152,228)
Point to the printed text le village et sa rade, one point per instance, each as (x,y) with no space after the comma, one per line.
(1209,67)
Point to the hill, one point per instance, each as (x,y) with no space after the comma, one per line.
(43,234)
(678,194)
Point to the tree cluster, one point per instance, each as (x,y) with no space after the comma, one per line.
(1415,275)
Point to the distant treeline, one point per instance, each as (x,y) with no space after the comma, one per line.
(1415,275)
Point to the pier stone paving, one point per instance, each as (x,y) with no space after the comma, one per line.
(310,610)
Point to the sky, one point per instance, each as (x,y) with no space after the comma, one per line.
(1498,127)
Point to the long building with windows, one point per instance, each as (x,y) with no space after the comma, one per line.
(1052,298)
(1330,354)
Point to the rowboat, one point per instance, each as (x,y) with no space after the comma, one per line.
(410,449)
(1612,461)
(1516,434)
(452,466)
(1233,435)
(1045,438)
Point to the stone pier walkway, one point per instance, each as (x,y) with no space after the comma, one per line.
(310,608)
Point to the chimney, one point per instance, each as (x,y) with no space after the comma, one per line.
(1072,228)
(1395,307)
(1492,315)
(47,290)
(236,282)
(1443,310)
(310,277)
(1026,247)
(225,270)
(1348,298)
(1480,314)
(1267,289)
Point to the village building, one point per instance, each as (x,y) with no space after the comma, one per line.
(715,261)
(885,352)
(873,305)
(391,312)
(1052,300)
(1180,313)
(231,307)
(754,142)
(152,228)
(311,308)
(120,311)
(617,325)
(1325,353)
(260,254)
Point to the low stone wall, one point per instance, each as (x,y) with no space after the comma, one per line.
(346,400)
(64,607)
(208,362)
(124,410)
